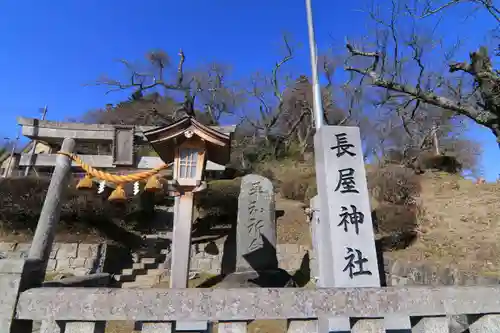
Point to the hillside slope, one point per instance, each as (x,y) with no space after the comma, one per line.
(456,222)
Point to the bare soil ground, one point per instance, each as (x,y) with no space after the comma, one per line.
(292,227)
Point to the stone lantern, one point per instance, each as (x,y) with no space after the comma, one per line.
(187,144)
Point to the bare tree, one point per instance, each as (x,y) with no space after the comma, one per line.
(152,109)
(206,89)
(285,117)
(267,93)
(436,7)
(474,93)
(215,94)
(297,120)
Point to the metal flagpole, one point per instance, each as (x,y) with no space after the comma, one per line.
(317,103)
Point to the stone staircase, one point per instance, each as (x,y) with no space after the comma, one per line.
(147,271)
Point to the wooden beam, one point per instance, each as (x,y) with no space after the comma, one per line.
(51,131)
(103,161)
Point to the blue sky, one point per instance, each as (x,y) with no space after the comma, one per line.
(50,49)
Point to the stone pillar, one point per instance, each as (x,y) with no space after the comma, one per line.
(181,241)
(345,208)
(15,277)
(320,254)
(49,216)
(181,254)
(345,241)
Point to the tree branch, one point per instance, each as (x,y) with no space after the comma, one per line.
(431,11)
(425,96)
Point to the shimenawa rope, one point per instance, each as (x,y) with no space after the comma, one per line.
(117,179)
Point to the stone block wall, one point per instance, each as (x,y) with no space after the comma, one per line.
(397,272)
(289,257)
(400,273)
(80,259)
(70,258)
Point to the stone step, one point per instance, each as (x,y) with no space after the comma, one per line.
(133,285)
(139,265)
(124,278)
(134,271)
(150,254)
(149,265)
(157,271)
(147,279)
(149,260)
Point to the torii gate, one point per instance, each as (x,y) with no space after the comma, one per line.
(186,144)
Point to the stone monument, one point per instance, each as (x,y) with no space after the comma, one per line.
(345,241)
(256,259)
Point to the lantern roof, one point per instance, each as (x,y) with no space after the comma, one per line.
(165,140)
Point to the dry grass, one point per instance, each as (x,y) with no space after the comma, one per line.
(294,180)
(459,225)
(292,227)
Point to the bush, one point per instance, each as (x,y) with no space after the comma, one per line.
(268,173)
(445,163)
(220,198)
(396,224)
(21,202)
(301,187)
(82,212)
(394,184)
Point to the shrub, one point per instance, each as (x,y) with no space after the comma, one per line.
(396,224)
(394,184)
(82,212)
(445,163)
(301,187)
(268,173)
(220,198)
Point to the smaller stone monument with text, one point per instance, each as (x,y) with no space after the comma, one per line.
(255,239)
(256,226)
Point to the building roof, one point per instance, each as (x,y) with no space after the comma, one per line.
(165,139)
(6,154)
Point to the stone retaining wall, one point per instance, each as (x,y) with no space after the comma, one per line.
(400,272)
(80,259)
(397,272)
(73,258)
(210,261)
